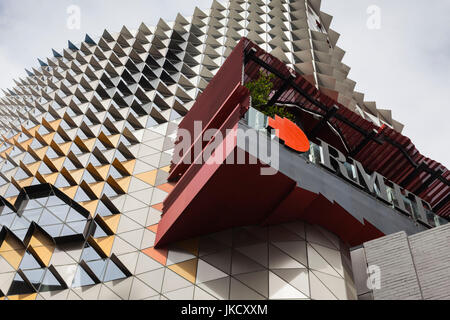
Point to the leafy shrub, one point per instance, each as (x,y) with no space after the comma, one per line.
(260,90)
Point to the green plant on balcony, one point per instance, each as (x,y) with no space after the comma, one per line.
(260,90)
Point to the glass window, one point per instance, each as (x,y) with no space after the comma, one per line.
(103,210)
(89,254)
(29,262)
(21,234)
(20,223)
(74,215)
(32,204)
(66,231)
(113,272)
(44,169)
(54,230)
(55,201)
(6,220)
(19,286)
(98,267)
(32,215)
(78,227)
(35,276)
(81,278)
(81,196)
(50,283)
(47,219)
(99,232)
(61,182)
(60,211)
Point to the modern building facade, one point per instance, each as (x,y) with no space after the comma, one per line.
(95,206)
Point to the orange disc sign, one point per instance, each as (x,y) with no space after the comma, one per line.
(290,133)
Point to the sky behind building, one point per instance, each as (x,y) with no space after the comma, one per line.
(401,61)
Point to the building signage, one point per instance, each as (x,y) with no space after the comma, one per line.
(353,171)
(375,184)
(290,133)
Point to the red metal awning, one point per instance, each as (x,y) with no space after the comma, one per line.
(198,203)
(380,149)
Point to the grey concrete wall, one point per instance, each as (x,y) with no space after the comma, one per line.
(359,267)
(411,268)
(398,276)
(431,252)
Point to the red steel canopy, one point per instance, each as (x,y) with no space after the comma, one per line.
(379,149)
(223,104)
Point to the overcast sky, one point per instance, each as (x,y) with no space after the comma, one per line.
(403,66)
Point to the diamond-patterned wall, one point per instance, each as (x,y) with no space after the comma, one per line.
(97,121)
(291,261)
